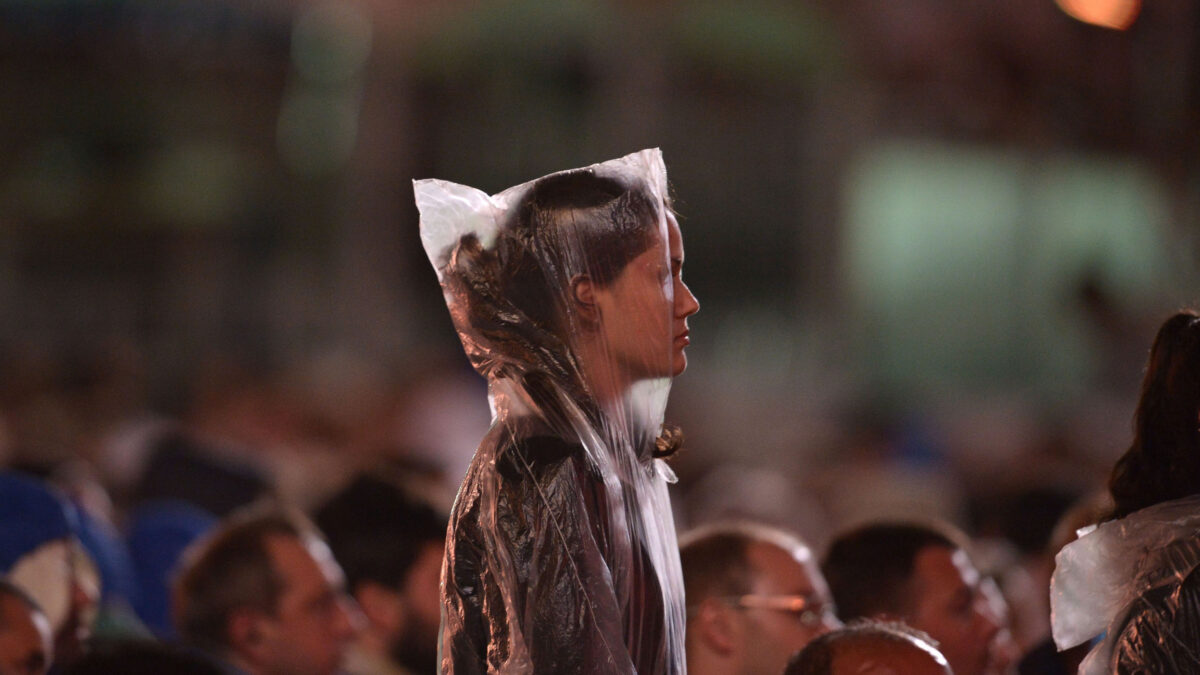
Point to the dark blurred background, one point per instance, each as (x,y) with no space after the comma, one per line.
(932,240)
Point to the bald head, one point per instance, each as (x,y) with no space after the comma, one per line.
(888,658)
(870,648)
(755,596)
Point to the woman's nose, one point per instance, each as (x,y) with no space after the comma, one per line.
(686,303)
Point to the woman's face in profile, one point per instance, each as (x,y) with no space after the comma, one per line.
(644,311)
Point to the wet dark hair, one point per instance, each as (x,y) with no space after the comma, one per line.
(515,294)
(610,220)
(868,569)
(1163,462)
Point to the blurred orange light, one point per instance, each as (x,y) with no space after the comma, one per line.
(1118,14)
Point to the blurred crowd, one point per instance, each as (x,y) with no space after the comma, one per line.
(259,512)
(293,521)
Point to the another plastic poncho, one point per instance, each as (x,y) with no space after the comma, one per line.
(561,555)
(1132,586)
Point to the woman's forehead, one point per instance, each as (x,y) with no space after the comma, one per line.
(655,255)
(674,236)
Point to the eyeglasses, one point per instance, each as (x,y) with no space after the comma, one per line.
(810,612)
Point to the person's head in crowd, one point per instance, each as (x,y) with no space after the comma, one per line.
(144,657)
(867,647)
(157,534)
(26,646)
(1163,462)
(920,575)
(264,593)
(41,554)
(755,596)
(390,545)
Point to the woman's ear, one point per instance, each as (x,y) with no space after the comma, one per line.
(583,300)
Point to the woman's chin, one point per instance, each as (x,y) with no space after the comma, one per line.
(679,365)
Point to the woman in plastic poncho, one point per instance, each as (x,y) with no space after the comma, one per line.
(568,297)
(1132,584)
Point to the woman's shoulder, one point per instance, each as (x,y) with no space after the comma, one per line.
(1165,613)
(529,441)
(1161,623)
(517,477)
(520,458)
(544,448)
(510,456)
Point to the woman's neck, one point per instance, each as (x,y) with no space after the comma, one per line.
(603,379)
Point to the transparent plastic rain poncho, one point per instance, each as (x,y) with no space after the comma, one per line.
(1131,585)
(561,555)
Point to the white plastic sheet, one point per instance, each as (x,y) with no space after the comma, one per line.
(1130,586)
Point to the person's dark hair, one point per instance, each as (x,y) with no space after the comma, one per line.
(817,657)
(868,569)
(229,570)
(10,590)
(514,292)
(714,558)
(376,531)
(612,221)
(1163,463)
(143,657)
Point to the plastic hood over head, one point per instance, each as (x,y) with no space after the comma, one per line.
(561,555)
(1131,585)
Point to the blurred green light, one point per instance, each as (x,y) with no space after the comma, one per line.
(331,43)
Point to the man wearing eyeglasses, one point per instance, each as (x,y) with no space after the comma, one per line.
(755,597)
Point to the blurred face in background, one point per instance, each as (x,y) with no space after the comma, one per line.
(947,603)
(772,630)
(313,623)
